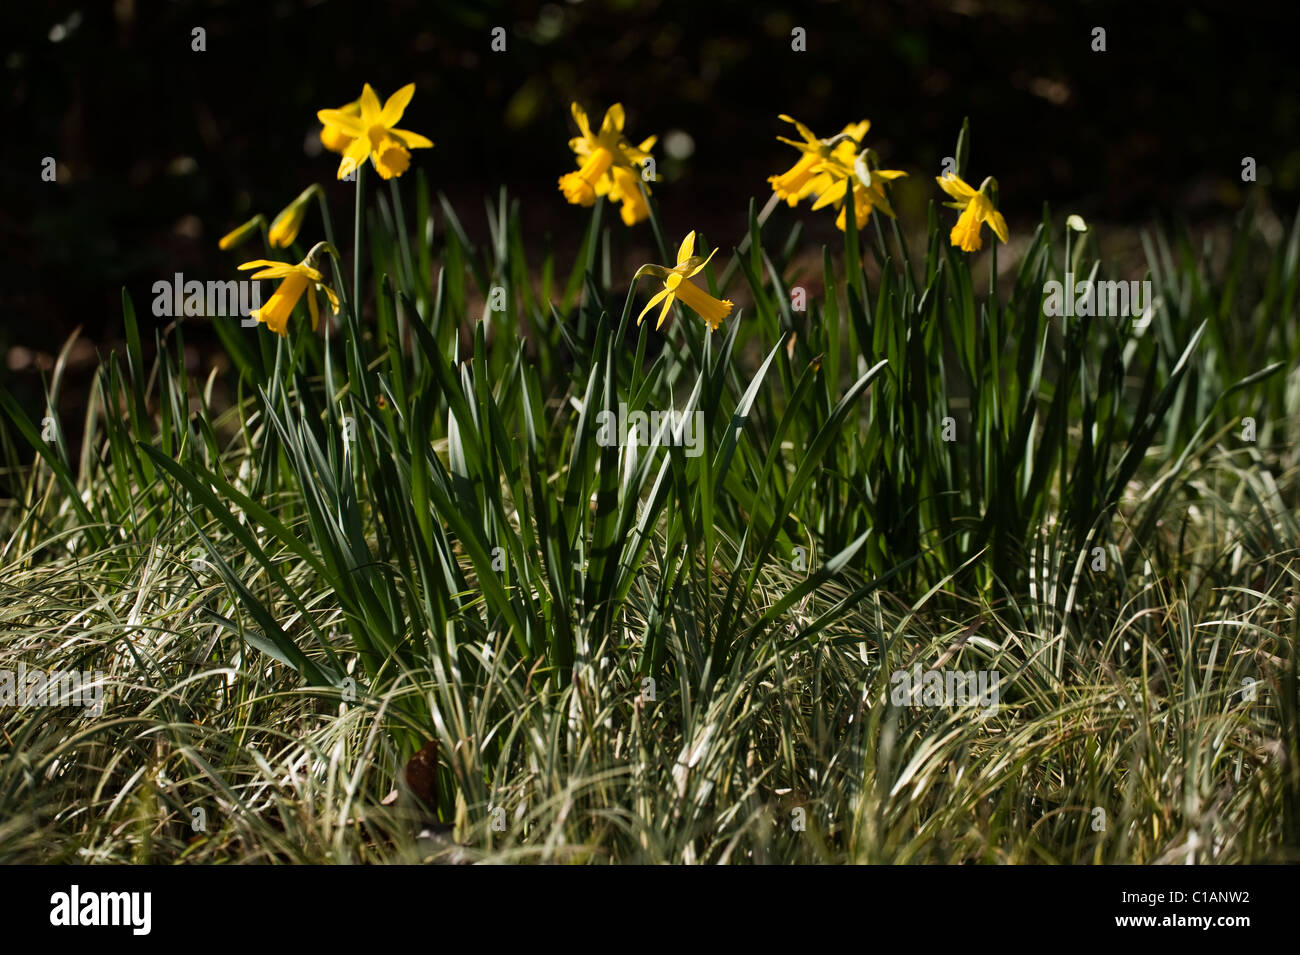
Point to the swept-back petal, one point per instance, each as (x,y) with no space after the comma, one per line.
(857,130)
(833,193)
(613,121)
(352,159)
(580,117)
(336,117)
(700,268)
(687,248)
(955,186)
(396,105)
(411,140)
(997,224)
(313,308)
(804,131)
(663,312)
(654,300)
(370,109)
(276,272)
(334,299)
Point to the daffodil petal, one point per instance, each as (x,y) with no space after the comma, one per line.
(857,130)
(411,140)
(580,117)
(663,312)
(613,121)
(654,300)
(804,147)
(834,193)
(700,268)
(396,105)
(370,109)
(354,157)
(336,117)
(334,299)
(277,272)
(955,186)
(687,248)
(998,225)
(809,136)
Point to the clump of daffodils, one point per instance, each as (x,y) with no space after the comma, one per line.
(677,285)
(364,129)
(827,168)
(976,209)
(808,178)
(608,165)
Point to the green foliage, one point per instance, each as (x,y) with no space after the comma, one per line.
(408,528)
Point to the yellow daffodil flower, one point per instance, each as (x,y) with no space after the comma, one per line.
(285,226)
(299,278)
(335,138)
(240,234)
(677,285)
(607,165)
(808,177)
(627,190)
(977,209)
(375,133)
(867,195)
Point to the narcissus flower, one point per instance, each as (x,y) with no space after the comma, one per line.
(298,279)
(285,226)
(977,209)
(608,165)
(808,176)
(677,285)
(375,133)
(868,188)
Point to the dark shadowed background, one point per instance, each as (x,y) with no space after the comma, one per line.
(161,149)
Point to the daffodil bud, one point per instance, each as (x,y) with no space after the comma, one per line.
(285,226)
(240,235)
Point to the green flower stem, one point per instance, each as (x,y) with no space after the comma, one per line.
(404,240)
